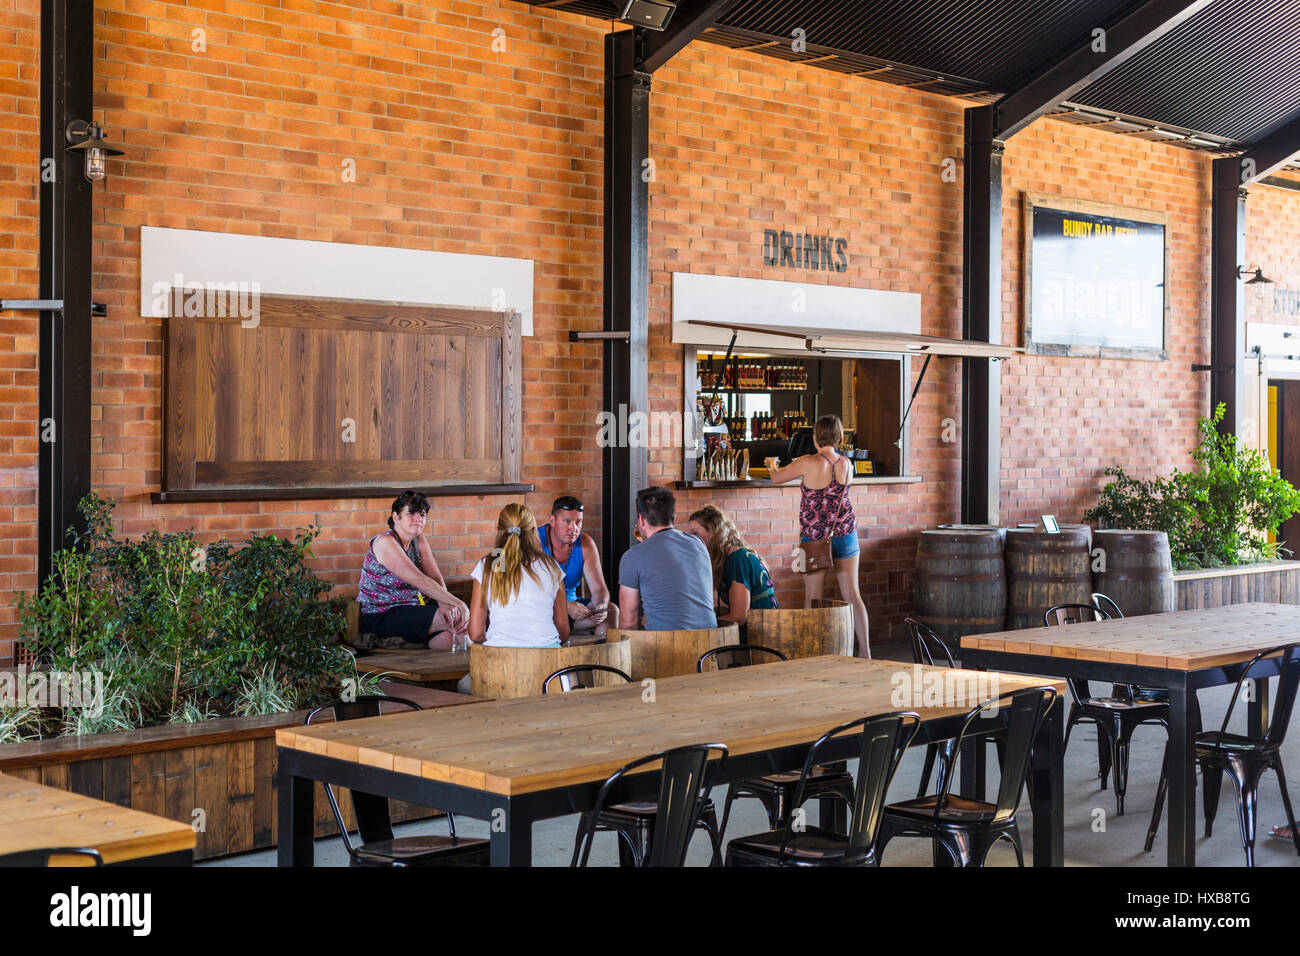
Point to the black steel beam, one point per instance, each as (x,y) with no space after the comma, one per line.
(1227,292)
(1271,153)
(981,378)
(691,18)
(626,289)
(1085,63)
(66,202)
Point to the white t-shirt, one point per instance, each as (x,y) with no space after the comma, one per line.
(529,619)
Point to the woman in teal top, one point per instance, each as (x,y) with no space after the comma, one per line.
(740,577)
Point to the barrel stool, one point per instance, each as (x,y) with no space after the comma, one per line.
(507,672)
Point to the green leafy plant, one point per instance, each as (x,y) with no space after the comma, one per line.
(1218,514)
(183,631)
(19,723)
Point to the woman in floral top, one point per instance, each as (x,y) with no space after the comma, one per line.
(402,592)
(826,511)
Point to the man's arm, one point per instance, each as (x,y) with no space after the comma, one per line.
(629,607)
(593,572)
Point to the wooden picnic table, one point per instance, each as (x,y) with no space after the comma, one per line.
(514,762)
(37,817)
(1182,651)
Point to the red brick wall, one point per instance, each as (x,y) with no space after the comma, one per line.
(20,144)
(460,147)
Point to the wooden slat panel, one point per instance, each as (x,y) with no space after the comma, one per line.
(149,782)
(276,474)
(239,797)
(182,406)
(210,796)
(395,317)
(117,780)
(512,408)
(179,793)
(86,777)
(435,425)
(453,396)
(477,409)
(422,384)
(263,792)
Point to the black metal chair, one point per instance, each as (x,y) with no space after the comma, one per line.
(776,791)
(41,857)
(378,846)
(883,740)
(738,655)
(634,822)
(964,828)
(1243,758)
(930,649)
(685,778)
(1116,716)
(580,677)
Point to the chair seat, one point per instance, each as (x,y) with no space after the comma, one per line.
(957,811)
(813,847)
(426,848)
(1213,742)
(819,779)
(641,809)
(1119,704)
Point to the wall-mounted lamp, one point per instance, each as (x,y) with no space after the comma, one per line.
(652,14)
(89,138)
(1258,280)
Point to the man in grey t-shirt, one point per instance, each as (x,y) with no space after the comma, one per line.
(668,575)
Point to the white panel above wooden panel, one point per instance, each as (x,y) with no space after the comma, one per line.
(336,270)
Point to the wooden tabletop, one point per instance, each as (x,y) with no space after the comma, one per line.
(34,817)
(422,667)
(1175,640)
(528,744)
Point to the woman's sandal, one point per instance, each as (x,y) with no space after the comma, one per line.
(1281,833)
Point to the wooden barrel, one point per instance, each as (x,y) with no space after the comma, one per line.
(825,628)
(1134,569)
(1046,569)
(507,672)
(960,582)
(669,653)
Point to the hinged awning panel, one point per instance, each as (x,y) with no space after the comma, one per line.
(840,340)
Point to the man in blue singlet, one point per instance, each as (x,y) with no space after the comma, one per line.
(560,539)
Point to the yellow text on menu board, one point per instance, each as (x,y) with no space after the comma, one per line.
(1082,229)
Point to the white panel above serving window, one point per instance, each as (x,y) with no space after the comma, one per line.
(1279,348)
(784,307)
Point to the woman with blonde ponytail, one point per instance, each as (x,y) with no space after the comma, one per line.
(519,597)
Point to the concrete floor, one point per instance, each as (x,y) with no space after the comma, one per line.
(1094,835)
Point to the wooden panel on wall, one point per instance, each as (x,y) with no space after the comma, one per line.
(334,393)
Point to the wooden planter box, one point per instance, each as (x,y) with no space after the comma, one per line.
(224,767)
(1276,582)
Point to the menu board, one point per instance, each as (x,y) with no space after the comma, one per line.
(1097,282)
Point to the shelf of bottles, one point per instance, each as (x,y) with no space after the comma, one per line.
(747,376)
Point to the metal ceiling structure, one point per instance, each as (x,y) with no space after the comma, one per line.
(1225,78)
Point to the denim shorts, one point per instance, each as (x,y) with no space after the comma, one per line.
(842,546)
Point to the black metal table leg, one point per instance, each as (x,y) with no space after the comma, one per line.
(1047,795)
(295,815)
(511,841)
(1182,779)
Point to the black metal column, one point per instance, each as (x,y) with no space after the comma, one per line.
(626,287)
(67,79)
(1227,292)
(981,378)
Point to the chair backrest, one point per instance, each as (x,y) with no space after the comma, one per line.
(42,856)
(882,742)
(738,655)
(1107,604)
(1020,712)
(1073,614)
(373,820)
(1059,614)
(927,646)
(1284,702)
(685,778)
(580,677)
